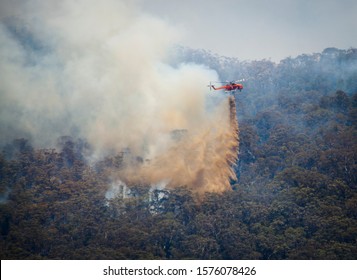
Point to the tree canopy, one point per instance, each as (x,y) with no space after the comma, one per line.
(295,198)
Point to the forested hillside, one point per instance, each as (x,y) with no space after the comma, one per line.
(295,196)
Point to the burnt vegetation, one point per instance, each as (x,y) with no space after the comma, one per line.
(295,196)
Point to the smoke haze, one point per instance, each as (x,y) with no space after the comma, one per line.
(99,71)
(202,157)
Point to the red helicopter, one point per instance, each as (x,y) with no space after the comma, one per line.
(228,87)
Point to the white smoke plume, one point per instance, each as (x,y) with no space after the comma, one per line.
(98,70)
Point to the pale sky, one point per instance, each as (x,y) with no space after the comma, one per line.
(258,29)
